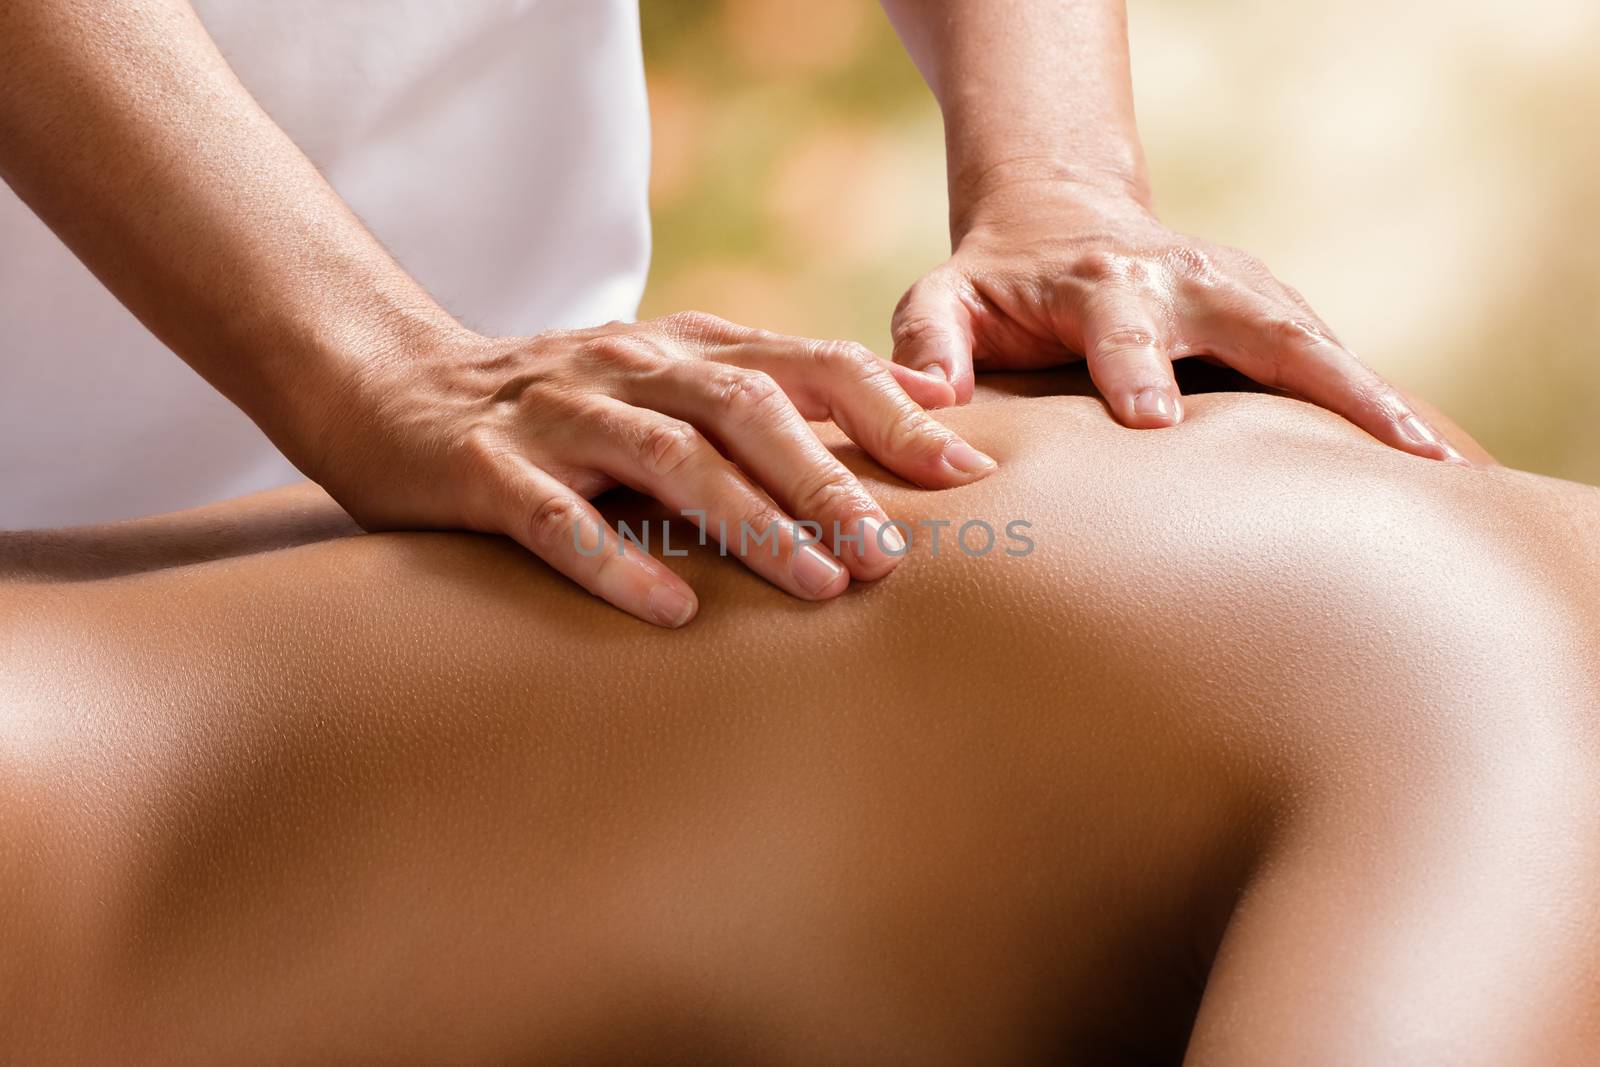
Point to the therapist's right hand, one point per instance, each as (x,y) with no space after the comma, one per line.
(513,436)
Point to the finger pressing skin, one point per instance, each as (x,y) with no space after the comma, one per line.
(1128,358)
(1285,348)
(755,423)
(932,333)
(564,530)
(670,460)
(844,382)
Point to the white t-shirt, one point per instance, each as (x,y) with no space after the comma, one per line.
(500,150)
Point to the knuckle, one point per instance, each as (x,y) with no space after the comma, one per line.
(830,492)
(552,520)
(1295,332)
(615,566)
(629,350)
(528,398)
(747,394)
(1141,273)
(1192,264)
(699,324)
(917,329)
(1124,339)
(1211,290)
(1095,265)
(597,417)
(914,433)
(756,515)
(1372,394)
(847,358)
(666,445)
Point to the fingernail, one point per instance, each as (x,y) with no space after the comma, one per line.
(814,570)
(965,459)
(670,607)
(1155,402)
(880,539)
(936,372)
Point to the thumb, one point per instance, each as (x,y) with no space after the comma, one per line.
(932,332)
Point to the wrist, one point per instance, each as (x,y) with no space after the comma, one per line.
(1021,193)
(332,385)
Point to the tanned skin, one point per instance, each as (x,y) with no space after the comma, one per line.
(1280,746)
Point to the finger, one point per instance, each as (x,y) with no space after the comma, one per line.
(755,423)
(915,385)
(932,332)
(849,385)
(564,530)
(671,461)
(1128,358)
(1296,352)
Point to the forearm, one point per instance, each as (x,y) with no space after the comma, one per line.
(124,129)
(1031,90)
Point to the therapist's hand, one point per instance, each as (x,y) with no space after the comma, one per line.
(513,436)
(208,222)
(1046,271)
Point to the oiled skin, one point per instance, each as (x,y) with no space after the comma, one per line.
(413,798)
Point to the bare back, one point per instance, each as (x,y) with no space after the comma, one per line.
(412,796)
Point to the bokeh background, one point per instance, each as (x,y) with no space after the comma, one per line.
(1427,172)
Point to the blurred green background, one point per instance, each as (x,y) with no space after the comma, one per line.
(1426,172)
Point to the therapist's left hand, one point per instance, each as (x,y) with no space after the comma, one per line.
(1047,271)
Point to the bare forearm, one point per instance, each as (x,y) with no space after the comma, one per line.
(124,129)
(1030,90)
